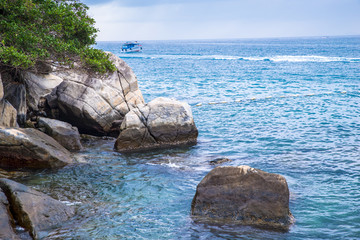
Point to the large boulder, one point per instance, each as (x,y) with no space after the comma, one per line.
(6,228)
(30,148)
(64,133)
(162,122)
(33,210)
(95,102)
(243,195)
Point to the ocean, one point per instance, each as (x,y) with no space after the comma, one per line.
(289,106)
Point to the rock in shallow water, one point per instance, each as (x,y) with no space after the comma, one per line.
(30,148)
(219,161)
(162,122)
(33,210)
(243,195)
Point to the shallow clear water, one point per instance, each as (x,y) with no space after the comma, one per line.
(304,123)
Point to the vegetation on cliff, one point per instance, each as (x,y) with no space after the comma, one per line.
(41,31)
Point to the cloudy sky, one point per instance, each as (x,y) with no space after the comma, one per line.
(120,20)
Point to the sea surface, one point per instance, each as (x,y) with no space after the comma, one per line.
(289,106)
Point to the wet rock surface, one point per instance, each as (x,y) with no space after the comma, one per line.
(33,210)
(220,160)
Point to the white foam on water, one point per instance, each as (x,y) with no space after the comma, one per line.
(68,203)
(280,58)
(311,58)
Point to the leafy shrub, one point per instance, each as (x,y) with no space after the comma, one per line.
(33,31)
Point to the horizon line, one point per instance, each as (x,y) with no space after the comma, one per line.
(240,38)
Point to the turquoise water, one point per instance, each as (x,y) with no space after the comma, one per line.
(298,115)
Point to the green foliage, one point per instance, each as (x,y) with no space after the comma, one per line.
(32,31)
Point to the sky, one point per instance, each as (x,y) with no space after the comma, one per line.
(122,20)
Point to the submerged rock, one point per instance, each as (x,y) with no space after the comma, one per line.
(64,133)
(243,195)
(219,161)
(33,210)
(30,148)
(161,123)
(93,102)
(6,228)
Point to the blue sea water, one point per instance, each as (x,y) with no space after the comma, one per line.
(286,106)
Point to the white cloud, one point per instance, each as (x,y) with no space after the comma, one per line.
(194,19)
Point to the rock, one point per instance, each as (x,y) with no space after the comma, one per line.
(33,210)
(64,133)
(219,161)
(43,67)
(30,149)
(7,114)
(6,229)
(93,102)
(29,124)
(243,195)
(39,86)
(1,89)
(15,94)
(162,122)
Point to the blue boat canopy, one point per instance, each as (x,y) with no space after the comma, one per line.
(131,47)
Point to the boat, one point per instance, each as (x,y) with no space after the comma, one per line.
(130,47)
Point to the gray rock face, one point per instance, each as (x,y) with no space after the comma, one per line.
(15,94)
(6,229)
(39,85)
(30,148)
(33,210)
(245,195)
(7,114)
(1,89)
(92,102)
(64,133)
(162,122)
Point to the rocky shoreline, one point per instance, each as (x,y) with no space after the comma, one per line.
(43,115)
